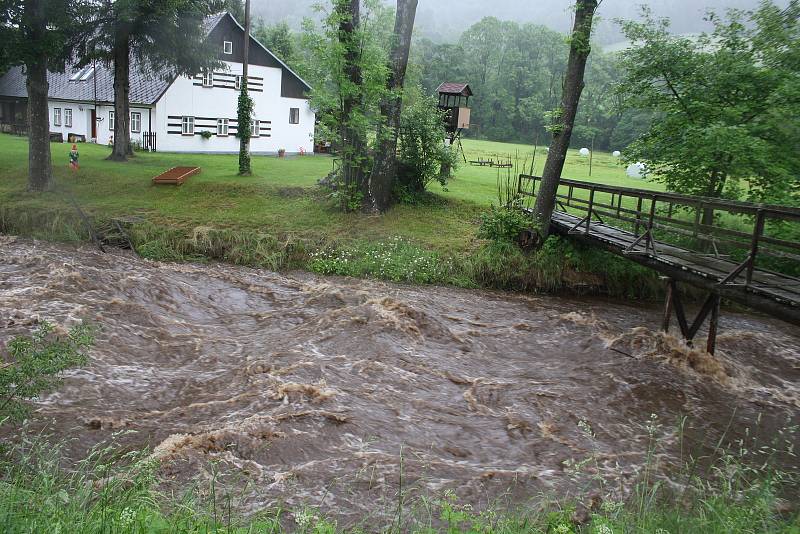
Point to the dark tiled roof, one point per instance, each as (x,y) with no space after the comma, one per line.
(451,88)
(146,86)
(211,22)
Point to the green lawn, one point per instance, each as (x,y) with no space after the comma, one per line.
(479,183)
(280,198)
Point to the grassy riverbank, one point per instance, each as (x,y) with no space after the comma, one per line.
(117,491)
(279,219)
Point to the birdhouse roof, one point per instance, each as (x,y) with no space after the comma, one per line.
(453,88)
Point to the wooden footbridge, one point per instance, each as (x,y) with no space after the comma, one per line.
(734,250)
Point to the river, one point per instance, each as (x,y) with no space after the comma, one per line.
(321,391)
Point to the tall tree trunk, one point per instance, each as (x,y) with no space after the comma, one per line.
(580,47)
(384,169)
(716,185)
(711,192)
(40,168)
(353,142)
(245,115)
(122,87)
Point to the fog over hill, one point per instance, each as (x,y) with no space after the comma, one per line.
(444,20)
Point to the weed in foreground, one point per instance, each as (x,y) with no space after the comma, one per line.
(733,490)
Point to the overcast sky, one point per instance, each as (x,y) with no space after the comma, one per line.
(446,19)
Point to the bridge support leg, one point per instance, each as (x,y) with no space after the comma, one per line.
(710,307)
(713,323)
(668,306)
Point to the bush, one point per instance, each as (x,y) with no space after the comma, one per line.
(503,225)
(422,152)
(34,363)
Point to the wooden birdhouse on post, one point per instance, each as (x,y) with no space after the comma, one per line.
(454,100)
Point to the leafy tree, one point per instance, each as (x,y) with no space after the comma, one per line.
(346,62)
(483,43)
(725,103)
(632,124)
(244,115)
(277,38)
(39,35)
(351,80)
(157,35)
(564,116)
(244,108)
(438,62)
(235,8)
(421,151)
(33,365)
(600,111)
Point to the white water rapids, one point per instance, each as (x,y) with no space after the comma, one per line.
(309,390)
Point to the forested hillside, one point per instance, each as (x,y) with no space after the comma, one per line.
(444,20)
(516,72)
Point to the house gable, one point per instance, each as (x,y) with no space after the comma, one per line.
(228,29)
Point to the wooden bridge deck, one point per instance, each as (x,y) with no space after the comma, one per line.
(769,292)
(628,222)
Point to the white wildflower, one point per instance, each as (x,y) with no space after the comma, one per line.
(305,518)
(586,428)
(126,518)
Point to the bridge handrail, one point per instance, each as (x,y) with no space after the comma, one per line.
(733,206)
(647,216)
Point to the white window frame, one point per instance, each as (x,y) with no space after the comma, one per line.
(68,117)
(227,47)
(255,127)
(136,122)
(56,116)
(111,121)
(208,78)
(187,125)
(237,84)
(222,127)
(294,115)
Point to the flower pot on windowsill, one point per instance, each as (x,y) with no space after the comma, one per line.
(281,152)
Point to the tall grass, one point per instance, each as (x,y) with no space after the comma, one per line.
(117,491)
(558,266)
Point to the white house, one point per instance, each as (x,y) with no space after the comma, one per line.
(173,113)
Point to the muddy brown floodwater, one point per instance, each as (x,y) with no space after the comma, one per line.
(305,389)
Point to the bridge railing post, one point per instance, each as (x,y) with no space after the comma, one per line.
(696,228)
(591,208)
(638,216)
(651,220)
(758,231)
